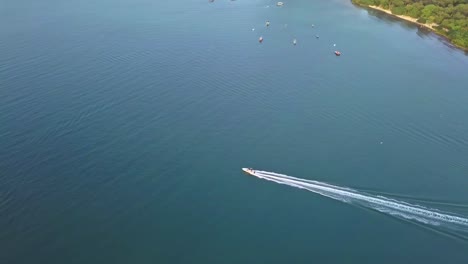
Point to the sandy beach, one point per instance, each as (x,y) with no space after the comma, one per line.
(407,18)
(415,21)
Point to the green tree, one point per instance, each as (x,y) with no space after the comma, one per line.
(451,16)
(384,4)
(413,10)
(398,10)
(428,11)
(398,3)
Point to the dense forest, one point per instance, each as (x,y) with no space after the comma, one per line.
(447,17)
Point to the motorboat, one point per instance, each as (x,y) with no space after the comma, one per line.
(294,41)
(337,53)
(279,4)
(260,39)
(249,171)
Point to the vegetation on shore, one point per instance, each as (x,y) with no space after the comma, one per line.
(447,17)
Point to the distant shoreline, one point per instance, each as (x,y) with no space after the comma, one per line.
(407,18)
(415,21)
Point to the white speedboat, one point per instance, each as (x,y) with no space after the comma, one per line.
(279,4)
(249,171)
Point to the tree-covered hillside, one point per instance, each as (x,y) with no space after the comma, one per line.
(448,17)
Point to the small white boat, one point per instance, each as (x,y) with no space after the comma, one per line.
(279,4)
(249,171)
(294,41)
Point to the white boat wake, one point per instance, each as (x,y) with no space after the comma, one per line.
(382,204)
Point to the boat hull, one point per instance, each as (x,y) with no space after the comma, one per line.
(249,171)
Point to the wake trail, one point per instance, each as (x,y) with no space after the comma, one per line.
(382,204)
(424,200)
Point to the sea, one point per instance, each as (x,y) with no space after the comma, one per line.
(124,125)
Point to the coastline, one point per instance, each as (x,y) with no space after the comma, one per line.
(414,20)
(407,18)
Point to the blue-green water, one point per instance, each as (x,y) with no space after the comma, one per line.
(124,125)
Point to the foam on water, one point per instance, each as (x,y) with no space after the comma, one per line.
(382,204)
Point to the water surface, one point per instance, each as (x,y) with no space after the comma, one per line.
(124,125)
